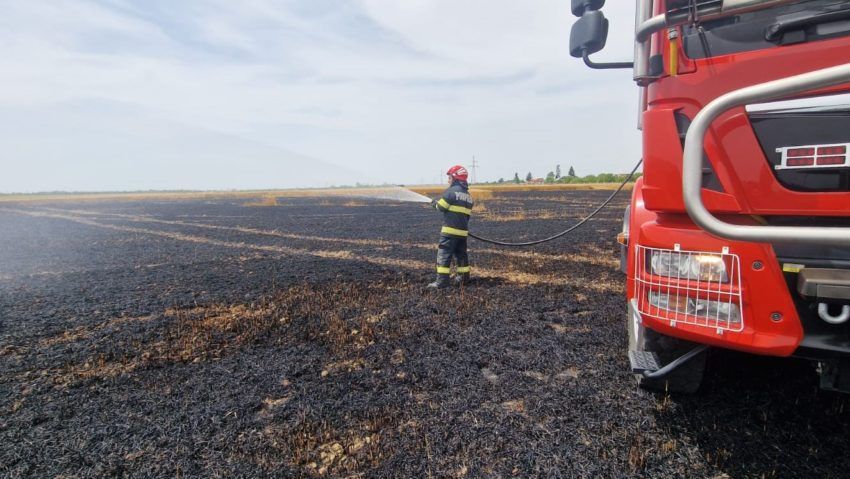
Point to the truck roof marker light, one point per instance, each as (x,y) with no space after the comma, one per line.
(813,156)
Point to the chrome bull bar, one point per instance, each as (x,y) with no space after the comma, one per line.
(693,158)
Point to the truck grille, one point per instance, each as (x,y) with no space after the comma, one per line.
(690,288)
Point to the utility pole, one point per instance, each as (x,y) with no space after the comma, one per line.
(474,168)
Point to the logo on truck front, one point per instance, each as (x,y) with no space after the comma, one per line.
(813,156)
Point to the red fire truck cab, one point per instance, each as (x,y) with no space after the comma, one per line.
(738,233)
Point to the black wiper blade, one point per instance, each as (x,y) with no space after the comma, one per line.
(775,32)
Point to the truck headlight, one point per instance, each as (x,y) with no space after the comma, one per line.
(675,264)
(725,311)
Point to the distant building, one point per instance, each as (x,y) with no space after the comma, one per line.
(535,181)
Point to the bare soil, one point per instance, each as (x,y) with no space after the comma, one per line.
(223,337)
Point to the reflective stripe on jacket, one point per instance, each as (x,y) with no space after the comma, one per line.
(456,206)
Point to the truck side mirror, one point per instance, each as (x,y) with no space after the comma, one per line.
(589,34)
(581,6)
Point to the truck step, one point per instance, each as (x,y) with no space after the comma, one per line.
(644,361)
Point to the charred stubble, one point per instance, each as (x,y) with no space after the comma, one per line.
(209,338)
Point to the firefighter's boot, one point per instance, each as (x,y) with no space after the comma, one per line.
(461,279)
(442,282)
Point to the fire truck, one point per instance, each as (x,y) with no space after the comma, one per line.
(738,233)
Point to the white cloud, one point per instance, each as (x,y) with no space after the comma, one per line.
(395,90)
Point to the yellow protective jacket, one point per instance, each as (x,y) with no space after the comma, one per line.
(456,206)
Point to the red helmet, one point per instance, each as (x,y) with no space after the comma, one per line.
(458,172)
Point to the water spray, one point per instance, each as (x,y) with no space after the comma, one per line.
(399,193)
(390,193)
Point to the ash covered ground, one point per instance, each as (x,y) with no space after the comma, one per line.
(207,338)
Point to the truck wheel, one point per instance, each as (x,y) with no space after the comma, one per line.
(684,379)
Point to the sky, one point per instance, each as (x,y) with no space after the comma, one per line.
(110,95)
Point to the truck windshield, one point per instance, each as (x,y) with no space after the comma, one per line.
(768,28)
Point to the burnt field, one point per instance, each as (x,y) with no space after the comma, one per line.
(215,338)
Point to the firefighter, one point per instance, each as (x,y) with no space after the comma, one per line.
(456,206)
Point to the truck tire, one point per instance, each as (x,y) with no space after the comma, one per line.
(687,378)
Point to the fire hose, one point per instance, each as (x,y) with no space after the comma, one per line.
(571,228)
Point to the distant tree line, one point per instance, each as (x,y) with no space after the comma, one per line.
(571,177)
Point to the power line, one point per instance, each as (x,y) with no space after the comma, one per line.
(474,168)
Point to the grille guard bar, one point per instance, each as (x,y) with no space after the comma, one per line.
(693,158)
